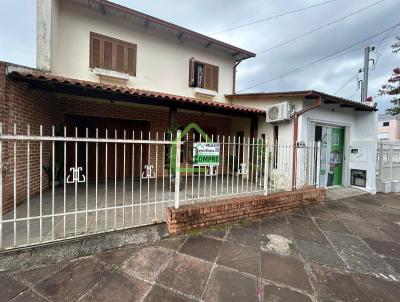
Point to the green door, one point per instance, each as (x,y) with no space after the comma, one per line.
(336,157)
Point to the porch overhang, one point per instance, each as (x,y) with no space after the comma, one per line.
(326,98)
(39,80)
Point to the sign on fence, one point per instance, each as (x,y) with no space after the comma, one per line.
(206,154)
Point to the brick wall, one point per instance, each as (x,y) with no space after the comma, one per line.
(22,105)
(233,210)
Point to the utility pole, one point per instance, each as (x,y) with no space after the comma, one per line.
(364,93)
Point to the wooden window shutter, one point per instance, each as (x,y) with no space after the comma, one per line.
(131,61)
(95,55)
(108,55)
(120,59)
(191,72)
(207,77)
(215,74)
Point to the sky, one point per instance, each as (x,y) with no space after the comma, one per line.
(274,68)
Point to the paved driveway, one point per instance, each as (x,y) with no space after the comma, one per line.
(343,250)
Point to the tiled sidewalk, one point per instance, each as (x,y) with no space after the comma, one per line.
(345,250)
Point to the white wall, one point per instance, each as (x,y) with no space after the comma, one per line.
(360,132)
(162,60)
(285,127)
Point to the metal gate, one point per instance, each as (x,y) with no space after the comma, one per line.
(50,187)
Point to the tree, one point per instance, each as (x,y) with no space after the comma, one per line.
(392,87)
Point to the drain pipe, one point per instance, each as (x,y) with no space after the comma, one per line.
(234,76)
(296,134)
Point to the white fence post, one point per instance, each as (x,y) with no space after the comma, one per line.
(380,160)
(177,168)
(391,162)
(318,172)
(266,167)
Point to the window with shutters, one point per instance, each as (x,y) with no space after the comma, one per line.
(112,54)
(203,75)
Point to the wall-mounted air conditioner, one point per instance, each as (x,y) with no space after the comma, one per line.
(279,112)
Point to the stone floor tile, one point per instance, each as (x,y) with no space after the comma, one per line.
(365,230)
(320,253)
(274,293)
(300,211)
(230,286)
(216,232)
(279,245)
(173,243)
(240,257)
(202,247)
(286,270)
(158,294)
(332,226)
(296,220)
(378,290)
(394,263)
(322,211)
(9,288)
(252,225)
(274,218)
(276,227)
(34,275)
(308,233)
(244,236)
(357,254)
(29,296)
(388,249)
(147,262)
(73,281)
(333,285)
(115,257)
(117,287)
(186,274)
(393,233)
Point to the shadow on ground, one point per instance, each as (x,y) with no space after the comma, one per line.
(342,250)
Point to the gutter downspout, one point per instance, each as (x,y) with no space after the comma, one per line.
(296,133)
(234,76)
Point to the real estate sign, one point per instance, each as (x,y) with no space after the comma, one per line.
(206,154)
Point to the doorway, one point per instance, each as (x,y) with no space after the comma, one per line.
(332,147)
(115,152)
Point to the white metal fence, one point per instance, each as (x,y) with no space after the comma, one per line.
(55,186)
(388,161)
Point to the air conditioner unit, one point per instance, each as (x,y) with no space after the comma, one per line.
(279,112)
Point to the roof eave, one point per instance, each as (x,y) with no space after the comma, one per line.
(237,53)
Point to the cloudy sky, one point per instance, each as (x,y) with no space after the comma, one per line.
(17,39)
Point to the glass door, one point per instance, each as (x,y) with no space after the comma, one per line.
(332,143)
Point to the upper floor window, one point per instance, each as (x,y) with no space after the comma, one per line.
(203,75)
(112,54)
(385,124)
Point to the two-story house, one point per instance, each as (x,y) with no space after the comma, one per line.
(389,127)
(107,67)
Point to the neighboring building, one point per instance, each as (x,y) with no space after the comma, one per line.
(346,130)
(389,127)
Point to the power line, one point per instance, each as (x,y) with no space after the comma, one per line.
(346,83)
(272,17)
(321,60)
(319,28)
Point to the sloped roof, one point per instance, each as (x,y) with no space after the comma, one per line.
(110,8)
(326,97)
(19,73)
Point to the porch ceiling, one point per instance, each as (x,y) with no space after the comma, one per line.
(58,84)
